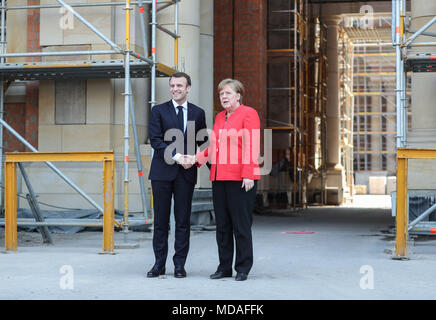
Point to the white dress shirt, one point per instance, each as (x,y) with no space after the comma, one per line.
(185,112)
(185,121)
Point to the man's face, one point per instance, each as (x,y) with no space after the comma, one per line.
(179,89)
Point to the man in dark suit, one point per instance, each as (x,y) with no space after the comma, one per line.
(171,173)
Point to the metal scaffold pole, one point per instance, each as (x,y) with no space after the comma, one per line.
(404,116)
(133,118)
(2,98)
(153,75)
(153,53)
(138,157)
(398,69)
(145,46)
(176,38)
(127,95)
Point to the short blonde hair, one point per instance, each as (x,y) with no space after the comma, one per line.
(236,85)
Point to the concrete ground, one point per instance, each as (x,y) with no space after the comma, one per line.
(343,253)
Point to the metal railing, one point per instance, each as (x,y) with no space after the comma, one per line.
(402,225)
(11,161)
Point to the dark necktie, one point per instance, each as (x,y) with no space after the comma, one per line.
(180,121)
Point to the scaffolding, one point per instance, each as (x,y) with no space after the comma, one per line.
(133,65)
(287,98)
(407,60)
(374,90)
(318,71)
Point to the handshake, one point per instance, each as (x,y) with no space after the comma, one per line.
(186,161)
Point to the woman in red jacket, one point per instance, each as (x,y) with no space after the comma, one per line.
(233,153)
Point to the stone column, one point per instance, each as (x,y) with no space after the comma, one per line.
(335,173)
(206,67)
(333,106)
(189,47)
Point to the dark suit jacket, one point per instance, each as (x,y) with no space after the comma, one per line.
(163,117)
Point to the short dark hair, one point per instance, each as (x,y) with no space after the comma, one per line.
(182,75)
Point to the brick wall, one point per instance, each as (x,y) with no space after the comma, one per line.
(13,115)
(223,44)
(240,49)
(23,117)
(32,88)
(33,17)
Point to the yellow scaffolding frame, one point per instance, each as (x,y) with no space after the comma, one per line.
(403,155)
(11,190)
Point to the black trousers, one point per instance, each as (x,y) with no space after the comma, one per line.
(233,213)
(162,194)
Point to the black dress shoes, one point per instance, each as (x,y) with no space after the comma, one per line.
(240,276)
(221,274)
(179,272)
(155,272)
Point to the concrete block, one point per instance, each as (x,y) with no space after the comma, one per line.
(140,97)
(421,174)
(86,138)
(118,141)
(17,40)
(360,189)
(391,184)
(334,196)
(49,138)
(99,101)
(70,102)
(140,89)
(99,17)
(377,185)
(46,103)
(51,32)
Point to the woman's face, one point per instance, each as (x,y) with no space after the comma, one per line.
(229,98)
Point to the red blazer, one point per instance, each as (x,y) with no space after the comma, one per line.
(234,146)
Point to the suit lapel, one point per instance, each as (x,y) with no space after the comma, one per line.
(172,113)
